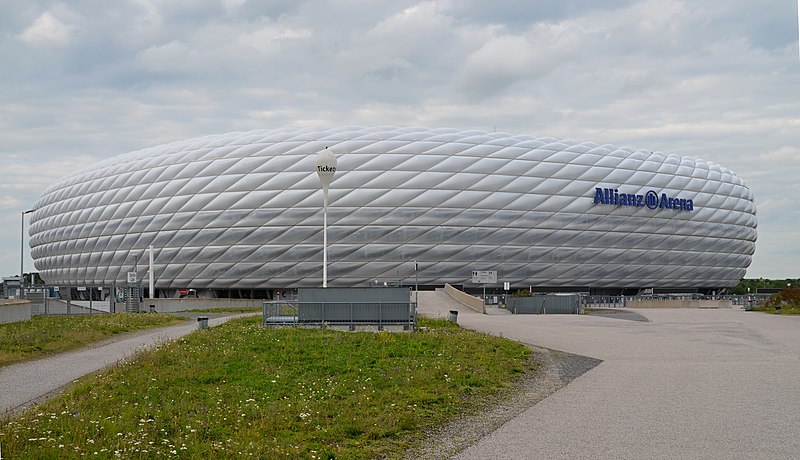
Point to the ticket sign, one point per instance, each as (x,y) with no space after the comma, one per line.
(484,276)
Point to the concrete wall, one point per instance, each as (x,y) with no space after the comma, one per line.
(12,311)
(465,299)
(664,303)
(173,305)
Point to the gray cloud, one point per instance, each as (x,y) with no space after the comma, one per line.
(710,79)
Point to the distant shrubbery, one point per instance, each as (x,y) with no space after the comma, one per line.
(786,302)
(757,283)
(787,298)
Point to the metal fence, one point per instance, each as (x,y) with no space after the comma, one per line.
(53,300)
(342,314)
(603,301)
(80,300)
(600,301)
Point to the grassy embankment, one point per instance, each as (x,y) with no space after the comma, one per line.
(239,390)
(48,335)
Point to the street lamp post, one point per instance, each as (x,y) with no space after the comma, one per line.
(22,253)
(150,273)
(326,168)
(416,284)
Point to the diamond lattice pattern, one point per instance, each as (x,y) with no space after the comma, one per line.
(244,210)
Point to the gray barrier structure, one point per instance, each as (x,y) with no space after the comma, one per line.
(349,309)
(540,304)
(47,300)
(687,300)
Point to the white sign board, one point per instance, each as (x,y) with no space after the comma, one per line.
(506,286)
(131,277)
(484,276)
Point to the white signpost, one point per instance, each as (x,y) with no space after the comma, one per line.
(484,277)
(131,278)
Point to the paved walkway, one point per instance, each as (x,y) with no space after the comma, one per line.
(29,382)
(687,384)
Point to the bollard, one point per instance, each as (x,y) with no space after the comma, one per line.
(202,322)
(453,316)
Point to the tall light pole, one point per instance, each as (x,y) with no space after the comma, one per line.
(326,168)
(22,253)
(416,283)
(150,273)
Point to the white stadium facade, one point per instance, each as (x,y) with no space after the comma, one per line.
(241,214)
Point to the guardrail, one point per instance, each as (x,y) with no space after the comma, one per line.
(350,315)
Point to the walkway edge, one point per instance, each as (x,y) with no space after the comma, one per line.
(25,384)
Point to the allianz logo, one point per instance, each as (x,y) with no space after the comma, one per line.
(651,200)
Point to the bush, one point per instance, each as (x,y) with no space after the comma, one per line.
(788,297)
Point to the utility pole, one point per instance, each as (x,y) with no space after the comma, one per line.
(22,253)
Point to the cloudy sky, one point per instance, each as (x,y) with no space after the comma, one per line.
(719,80)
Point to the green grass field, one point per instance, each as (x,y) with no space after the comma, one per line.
(47,335)
(238,390)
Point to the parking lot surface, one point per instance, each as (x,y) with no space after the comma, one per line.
(687,383)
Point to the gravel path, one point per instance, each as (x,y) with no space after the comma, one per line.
(555,370)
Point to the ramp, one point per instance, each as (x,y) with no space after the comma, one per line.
(437,304)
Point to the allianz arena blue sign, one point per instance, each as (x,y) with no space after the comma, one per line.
(651,200)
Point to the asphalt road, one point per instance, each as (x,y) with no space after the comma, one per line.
(711,384)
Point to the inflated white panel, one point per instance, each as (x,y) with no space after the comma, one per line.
(244,210)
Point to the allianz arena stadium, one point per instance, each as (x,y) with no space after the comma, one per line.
(243,211)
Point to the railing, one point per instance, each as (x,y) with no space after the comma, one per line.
(606,301)
(603,301)
(48,300)
(348,314)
